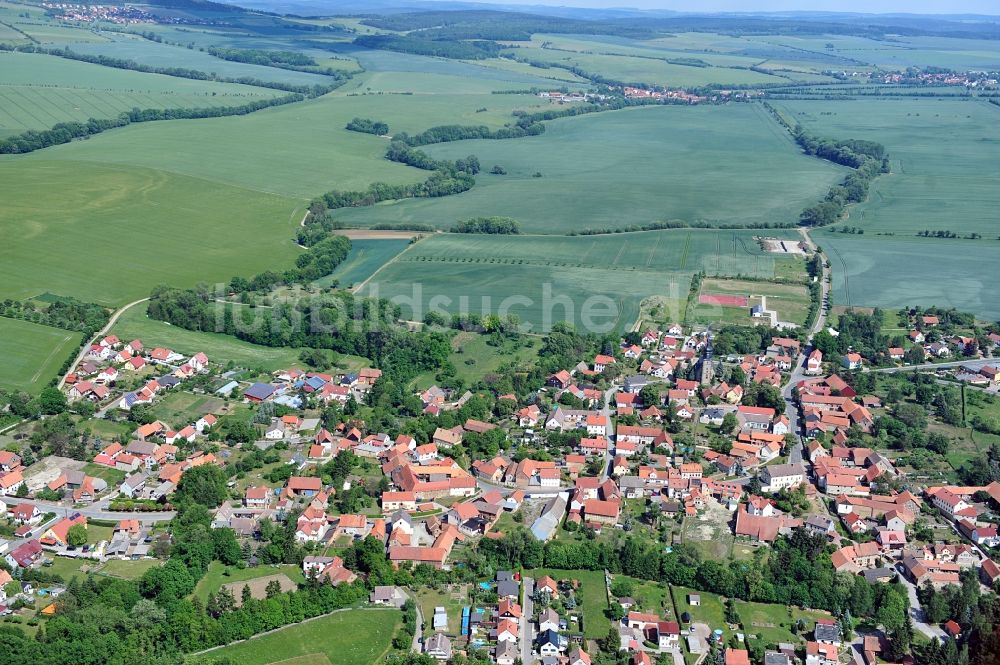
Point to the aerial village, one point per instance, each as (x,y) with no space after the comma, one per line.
(664,439)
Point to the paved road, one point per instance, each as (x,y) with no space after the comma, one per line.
(418,634)
(971,362)
(98,511)
(798,372)
(100,333)
(527,614)
(917,612)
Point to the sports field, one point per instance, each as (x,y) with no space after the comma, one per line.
(730,300)
(632,167)
(544,279)
(31,355)
(352,637)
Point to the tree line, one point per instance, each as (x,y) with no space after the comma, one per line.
(64,132)
(440,48)
(488,225)
(185,72)
(268,58)
(65,313)
(339,322)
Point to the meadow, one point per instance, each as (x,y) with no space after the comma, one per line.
(544,279)
(352,637)
(32,354)
(713,164)
(592,597)
(219,574)
(219,348)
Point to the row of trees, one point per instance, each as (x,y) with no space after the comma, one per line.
(184,72)
(489,225)
(439,48)
(64,132)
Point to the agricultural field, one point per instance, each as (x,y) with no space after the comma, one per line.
(650,70)
(365,257)
(32,354)
(943,160)
(730,165)
(165,228)
(490,274)
(944,171)
(38,91)
(353,637)
(145,52)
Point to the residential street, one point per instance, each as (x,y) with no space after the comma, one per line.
(97,511)
(527,615)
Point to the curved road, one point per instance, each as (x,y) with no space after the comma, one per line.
(99,333)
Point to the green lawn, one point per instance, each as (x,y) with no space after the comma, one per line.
(128,570)
(592,598)
(706,163)
(216,576)
(351,637)
(70,568)
(113,477)
(179,409)
(32,354)
(451,601)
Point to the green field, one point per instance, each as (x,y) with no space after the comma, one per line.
(943,154)
(111,236)
(351,637)
(365,258)
(631,167)
(32,354)
(944,178)
(495,273)
(153,54)
(217,576)
(218,348)
(38,91)
(790,301)
(178,408)
(592,598)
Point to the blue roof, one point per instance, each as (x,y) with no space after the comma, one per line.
(315,382)
(260,391)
